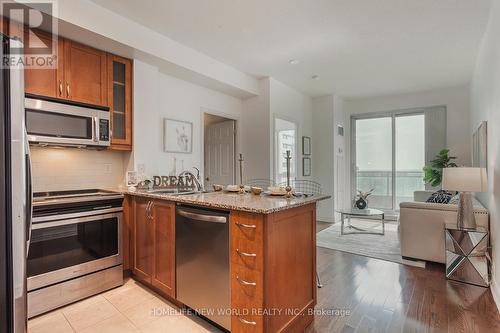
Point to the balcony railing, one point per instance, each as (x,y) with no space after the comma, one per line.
(407,182)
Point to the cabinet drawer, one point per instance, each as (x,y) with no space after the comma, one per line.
(242,323)
(246,240)
(246,226)
(247,290)
(247,254)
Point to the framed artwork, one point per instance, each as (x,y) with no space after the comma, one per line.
(306,166)
(480,146)
(177,136)
(306,145)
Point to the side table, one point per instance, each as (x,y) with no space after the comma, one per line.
(467,257)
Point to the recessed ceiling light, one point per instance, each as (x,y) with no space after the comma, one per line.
(315,77)
(293,61)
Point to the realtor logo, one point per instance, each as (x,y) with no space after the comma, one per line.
(35,24)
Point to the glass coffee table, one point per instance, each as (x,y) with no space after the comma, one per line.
(369,213)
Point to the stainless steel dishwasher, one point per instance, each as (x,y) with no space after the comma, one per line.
(202,262)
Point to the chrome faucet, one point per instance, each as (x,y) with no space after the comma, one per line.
(196,179)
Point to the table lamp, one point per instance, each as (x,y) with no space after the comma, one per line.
(465,181)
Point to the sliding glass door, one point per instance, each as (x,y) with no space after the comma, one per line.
(388,157)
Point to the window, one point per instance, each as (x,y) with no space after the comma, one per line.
(285,134)
(389,157)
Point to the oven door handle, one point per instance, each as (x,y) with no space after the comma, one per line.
(86,219)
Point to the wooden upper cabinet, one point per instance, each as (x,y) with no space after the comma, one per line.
(120,101)
(45,82)
(85,74)
(164,247)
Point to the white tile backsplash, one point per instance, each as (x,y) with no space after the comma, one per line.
(58,169)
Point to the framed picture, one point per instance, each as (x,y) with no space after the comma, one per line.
(177,136)
(306,145)
(306,166)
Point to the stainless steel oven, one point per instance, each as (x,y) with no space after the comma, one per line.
(54,123)
(73,237)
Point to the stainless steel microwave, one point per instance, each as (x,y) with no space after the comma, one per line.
(53,123)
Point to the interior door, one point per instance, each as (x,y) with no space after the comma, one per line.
(219,153)
(164,247)
(143,240)
(85,73)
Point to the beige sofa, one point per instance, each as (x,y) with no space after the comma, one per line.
(422,226)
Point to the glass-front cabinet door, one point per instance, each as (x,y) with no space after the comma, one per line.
(120,97)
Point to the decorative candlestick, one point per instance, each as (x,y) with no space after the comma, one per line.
(288,188)
(242,186)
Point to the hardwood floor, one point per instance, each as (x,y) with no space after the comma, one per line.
(381,296)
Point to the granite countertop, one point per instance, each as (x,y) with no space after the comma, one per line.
(260,204)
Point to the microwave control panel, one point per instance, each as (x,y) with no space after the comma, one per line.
(103,130)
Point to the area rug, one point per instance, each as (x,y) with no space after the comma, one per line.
(385,247)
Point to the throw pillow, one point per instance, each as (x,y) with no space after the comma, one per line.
(454,200)
(441,196)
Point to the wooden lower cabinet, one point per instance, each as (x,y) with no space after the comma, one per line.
(272,263)
(273,269)
(163,278)
(153,244)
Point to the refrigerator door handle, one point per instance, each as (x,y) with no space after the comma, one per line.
(29,194)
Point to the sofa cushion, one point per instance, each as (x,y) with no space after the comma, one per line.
(440,196)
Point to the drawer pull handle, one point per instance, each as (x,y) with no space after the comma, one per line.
(245,283)
(249,226)
(246,254)
(247,322)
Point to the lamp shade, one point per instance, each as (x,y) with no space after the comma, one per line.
(465,179)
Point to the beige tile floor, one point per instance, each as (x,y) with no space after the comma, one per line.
(129,308)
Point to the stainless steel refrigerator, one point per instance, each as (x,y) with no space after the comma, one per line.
(15,194)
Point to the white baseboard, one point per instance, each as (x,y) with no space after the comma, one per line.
(325,219)
(495,291)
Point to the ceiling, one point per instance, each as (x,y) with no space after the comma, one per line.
(357,48)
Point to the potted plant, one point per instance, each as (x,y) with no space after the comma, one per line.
(433,172)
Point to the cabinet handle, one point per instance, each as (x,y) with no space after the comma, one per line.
(147,209)
(245,283)
(151,210)
(60,88)
(247,322)
(246,254)
(67,89)
(243,225)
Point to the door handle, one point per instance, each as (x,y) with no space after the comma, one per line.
(95,127)
(67,89)
(244,282)
(151,210)
(147,209)
(202,217)
(29,194)
(60,88)
(246,254)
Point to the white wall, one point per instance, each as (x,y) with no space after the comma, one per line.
(457,103)
(485,105)
(456,100)
(158,96)
(108,29)
(59,169)
(289,104)
(274,100)
(255,133)
(328,167)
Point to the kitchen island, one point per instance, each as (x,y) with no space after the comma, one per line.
(272,253)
